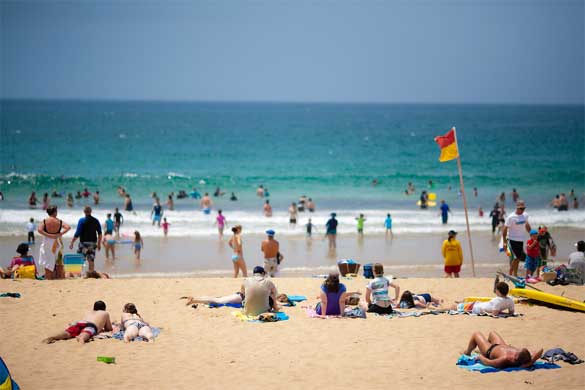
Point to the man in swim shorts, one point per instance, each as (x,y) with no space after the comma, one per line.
(94,322)
(206,204)
(270,249)
(513,234)
(156,212)
(89,233)
(495,352)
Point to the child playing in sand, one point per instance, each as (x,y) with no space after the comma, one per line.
(494,307)
(138,245)
(532,254)
(165,225)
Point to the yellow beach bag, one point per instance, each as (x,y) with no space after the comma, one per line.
(25,272)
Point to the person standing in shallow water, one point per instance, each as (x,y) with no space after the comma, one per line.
(331,231)
(453,255)
(238,252)
(445,210)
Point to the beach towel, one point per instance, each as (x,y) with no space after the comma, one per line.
(73,263)
(501,315)
(216,305)
(120,334)
(294,299)
(6,381)
(280,316)
(472,363)
(355,312)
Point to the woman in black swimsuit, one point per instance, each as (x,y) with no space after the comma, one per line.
(52,229)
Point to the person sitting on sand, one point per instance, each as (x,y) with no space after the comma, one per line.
(23,260)
(377,292)
(332,296)
(134,325)
(494,307)
(409,300)
(258,290)
(495,352)
(93,322)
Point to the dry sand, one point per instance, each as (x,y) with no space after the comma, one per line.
(209,348)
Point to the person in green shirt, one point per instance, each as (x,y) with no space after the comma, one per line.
(360,224)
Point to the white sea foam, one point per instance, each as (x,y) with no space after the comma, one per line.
(194,223)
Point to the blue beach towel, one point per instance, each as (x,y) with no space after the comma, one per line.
(297,298)
(216,305)
(120,334)
(280,316)
(472,363)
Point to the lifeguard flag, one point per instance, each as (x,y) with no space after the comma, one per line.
(448,146)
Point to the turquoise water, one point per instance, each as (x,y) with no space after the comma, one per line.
(330,152)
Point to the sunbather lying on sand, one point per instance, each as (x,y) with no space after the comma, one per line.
(494,307)
(93,322)
(409,300)
(235,298)
(495,352)
(134,325)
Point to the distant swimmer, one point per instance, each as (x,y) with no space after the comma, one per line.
(260,191)
(206,204)
(86,193)
(360,224)
(556,202)
(46,200)
(157,212)
(445,210)
(495,216)
(70,200)
(96,198)
(195,194)
(154,195)
(170,202)
(475,192)
(233,197)
(266,193)
(424,198)
(267,209)
(375,182)
(575,203)
(502,198)
(221,223)
(515,195)
(302,203)
(182,194)
(311,205)
(410,189)
(218,192)
(293,213)
(121,192)
(32,200)
(310,226)
(431,184)
(128,203)
(388,225)
(78,195)
(563,202)
(56,194)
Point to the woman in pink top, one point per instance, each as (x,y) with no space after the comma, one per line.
(221,222)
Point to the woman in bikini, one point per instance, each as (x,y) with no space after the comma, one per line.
(52,229)
(409,300)
(134,325)
(238,256)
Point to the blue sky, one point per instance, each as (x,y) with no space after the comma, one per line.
(357,51)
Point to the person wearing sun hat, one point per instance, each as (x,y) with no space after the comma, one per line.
(453,255)
(270,249)
(513,235)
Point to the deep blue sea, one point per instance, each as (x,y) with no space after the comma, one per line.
(330,152)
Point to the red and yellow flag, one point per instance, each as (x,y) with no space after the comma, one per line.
(448,146)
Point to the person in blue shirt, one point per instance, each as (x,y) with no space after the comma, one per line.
(195,194)
(331,226)
(388,225)
(89,233)
(109,224)
(445,210)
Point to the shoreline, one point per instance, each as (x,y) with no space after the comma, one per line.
(407,255)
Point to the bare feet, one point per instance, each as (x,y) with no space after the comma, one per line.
(49,340)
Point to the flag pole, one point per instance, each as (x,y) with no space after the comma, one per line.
(464,202)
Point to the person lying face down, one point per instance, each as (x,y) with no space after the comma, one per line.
(94,322)
(494,352)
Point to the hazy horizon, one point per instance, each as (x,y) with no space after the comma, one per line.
(394,52)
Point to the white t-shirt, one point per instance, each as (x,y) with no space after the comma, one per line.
(498,303)
(379,287)
(30,227)
(516,225)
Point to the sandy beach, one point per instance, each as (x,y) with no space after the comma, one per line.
(209,348)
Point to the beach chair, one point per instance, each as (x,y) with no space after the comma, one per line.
(73,263)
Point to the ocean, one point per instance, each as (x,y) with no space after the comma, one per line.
(329,152)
